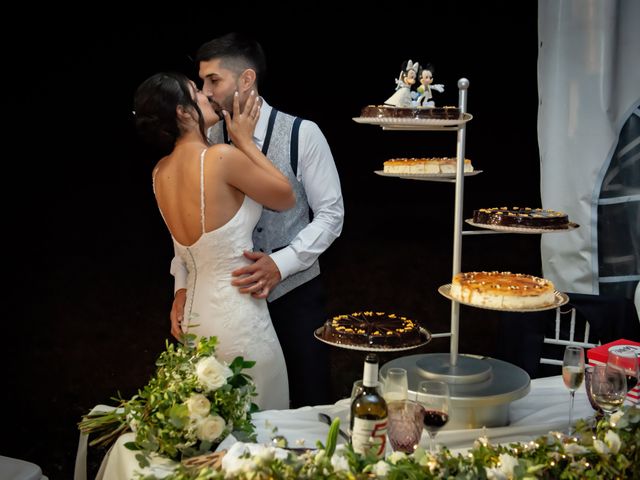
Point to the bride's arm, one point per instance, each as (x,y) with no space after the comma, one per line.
(248,169)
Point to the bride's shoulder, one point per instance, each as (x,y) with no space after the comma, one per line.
(221,151)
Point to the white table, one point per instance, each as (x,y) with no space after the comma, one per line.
(544,409)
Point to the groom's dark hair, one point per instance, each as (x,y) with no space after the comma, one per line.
(237,52)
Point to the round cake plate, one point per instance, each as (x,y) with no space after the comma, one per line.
(559,300)
(424,333)
(430,177)
(414,123)
(502,228)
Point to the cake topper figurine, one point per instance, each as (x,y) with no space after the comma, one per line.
(404,82)
(426,85)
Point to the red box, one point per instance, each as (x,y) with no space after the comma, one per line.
(598,356)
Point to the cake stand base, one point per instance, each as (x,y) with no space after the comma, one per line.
(481,388)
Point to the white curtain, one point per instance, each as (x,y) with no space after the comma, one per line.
(589,87)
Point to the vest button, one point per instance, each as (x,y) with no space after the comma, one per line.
(262,249)
(259,229)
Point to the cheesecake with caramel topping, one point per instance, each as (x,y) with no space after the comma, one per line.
(502,290)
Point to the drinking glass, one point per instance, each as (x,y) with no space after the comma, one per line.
(588,372)
(608,388)
(433,395)
(572,374)
(355,390)
(625,360)
(405,425)
(395,384)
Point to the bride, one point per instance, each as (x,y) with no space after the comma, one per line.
(211,198)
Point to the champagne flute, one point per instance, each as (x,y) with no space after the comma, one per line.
(572,374)
(395,384)
(434,396)
(608,388)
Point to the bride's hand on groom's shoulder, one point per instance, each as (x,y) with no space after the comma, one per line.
(242,124)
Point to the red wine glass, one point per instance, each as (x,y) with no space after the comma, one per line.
(434,396)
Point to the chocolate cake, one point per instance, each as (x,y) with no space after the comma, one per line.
(375,329)
(421,113)
(521,217)
(502,290)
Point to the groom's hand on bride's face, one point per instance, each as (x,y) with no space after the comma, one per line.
(257,278)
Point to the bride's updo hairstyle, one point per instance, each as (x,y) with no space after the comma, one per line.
(155,108)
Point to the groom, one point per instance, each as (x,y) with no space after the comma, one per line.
(287,245)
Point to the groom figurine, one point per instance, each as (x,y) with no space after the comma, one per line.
(287,244)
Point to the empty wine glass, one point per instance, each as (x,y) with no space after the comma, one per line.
(588,372)
(433,395)
(608,388)
(625,359)
(572,374)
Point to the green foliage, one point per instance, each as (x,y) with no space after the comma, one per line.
(602,449)
(189,406)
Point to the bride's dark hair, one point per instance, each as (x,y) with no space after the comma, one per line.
(155,103)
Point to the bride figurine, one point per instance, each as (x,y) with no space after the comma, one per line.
(406,79)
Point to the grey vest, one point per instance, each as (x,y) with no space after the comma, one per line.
(275,230)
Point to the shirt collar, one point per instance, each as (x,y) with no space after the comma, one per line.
(261,127)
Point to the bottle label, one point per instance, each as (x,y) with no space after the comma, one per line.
(369,435)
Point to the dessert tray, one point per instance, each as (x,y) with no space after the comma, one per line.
(424,334)
(559,300)
(432,177)
(390,123)
(502,228)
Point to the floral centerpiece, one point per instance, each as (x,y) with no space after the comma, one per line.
(189,406)
(606,449)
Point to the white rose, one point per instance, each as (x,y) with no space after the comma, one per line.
(481,441)
(381,469)
(575,449)
(198,405)
(495,474)
(339,463)
(395,457)
(507,464)
(600,447)
(231,462)
(210,428)
(264,455)
(613,441)
(211,373)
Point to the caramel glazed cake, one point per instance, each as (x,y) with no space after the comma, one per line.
(423,113)
(425,165)
(521,217)
(503,290)
(376,329)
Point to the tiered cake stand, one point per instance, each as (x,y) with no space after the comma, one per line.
(481,388)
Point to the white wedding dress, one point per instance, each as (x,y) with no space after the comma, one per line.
(214,307)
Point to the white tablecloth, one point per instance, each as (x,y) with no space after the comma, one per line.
(545,408)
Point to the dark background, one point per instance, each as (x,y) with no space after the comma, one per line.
(90,289)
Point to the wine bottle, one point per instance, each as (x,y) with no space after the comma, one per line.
(369,413)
